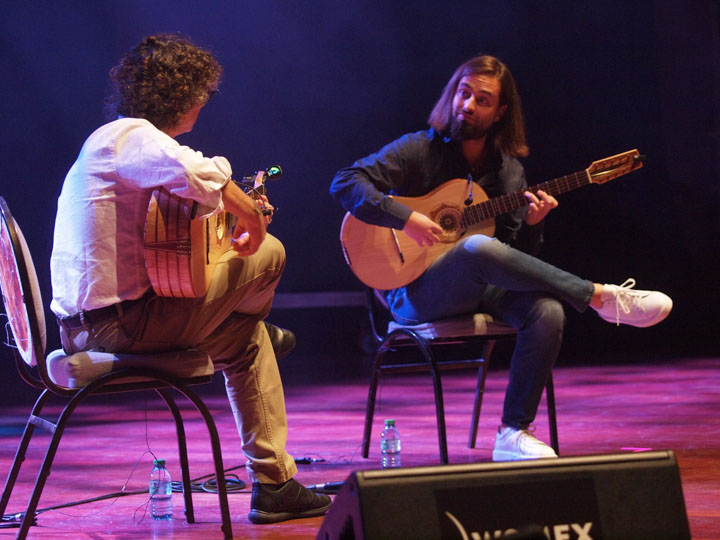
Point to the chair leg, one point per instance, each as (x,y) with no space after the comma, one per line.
(370,407)
(32,422)
(437,386)
(479,392)
(552,417)
(182,450)
(58,429)
(439,404)
(57,432)
(217,459)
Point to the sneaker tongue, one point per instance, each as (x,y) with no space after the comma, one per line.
(608,293)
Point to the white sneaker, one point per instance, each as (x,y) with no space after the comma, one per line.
(515,444)
(623,305)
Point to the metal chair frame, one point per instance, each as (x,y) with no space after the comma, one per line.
(38,377)
(403,337)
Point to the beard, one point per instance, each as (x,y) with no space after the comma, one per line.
(460,130)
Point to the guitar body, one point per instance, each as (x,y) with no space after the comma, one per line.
(385,258)
(181,251)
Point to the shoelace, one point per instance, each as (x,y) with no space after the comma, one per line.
(529,439)
(529,432)
(625,299)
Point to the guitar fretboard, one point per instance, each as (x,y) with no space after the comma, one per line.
(483,211)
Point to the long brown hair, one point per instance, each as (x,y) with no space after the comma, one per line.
(507,134)
(162,79)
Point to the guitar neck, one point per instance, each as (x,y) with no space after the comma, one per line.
(504,204)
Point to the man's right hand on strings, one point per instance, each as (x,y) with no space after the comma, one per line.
(422,229)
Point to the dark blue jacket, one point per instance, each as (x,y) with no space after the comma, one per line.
(414,165)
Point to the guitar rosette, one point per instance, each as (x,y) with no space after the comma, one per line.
(449,217)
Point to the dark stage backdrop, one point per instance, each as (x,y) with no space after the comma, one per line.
(314,85)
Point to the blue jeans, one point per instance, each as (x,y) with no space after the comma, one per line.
(481,274)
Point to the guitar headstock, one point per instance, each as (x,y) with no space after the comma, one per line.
(607,169)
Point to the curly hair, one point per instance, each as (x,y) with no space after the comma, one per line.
(508,134)
(161,79)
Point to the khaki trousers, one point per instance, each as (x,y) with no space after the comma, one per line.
(227,323)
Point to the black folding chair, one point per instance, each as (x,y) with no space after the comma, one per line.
(476,332)
(79,376)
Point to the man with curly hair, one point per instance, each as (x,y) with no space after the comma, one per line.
(102,294)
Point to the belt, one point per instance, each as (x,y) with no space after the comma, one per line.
(94,316)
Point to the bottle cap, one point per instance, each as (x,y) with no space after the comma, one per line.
(158,462)
(390,423)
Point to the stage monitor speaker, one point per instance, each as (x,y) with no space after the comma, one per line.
(629,496)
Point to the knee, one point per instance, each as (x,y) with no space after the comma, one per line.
(477,242)
(547,316)
(480,245)
(273,249)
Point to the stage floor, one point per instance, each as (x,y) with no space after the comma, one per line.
(601,410)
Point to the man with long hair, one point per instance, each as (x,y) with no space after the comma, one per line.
(102,294)
(477,132)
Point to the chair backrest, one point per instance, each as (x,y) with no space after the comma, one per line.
(21,291)
(26,318)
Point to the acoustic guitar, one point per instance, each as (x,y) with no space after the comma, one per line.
(181,250)
(385,258)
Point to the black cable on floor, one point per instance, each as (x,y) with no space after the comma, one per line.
(232,484)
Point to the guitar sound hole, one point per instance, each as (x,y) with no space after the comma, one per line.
(448,222)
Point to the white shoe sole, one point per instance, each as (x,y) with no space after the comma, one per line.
(641,324)
(503,455)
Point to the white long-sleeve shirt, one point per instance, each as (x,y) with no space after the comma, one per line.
(98,258)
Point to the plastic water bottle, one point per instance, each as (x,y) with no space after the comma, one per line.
(160,491)
(390,446)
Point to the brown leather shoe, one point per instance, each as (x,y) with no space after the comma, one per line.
(283,341)
(291,500)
